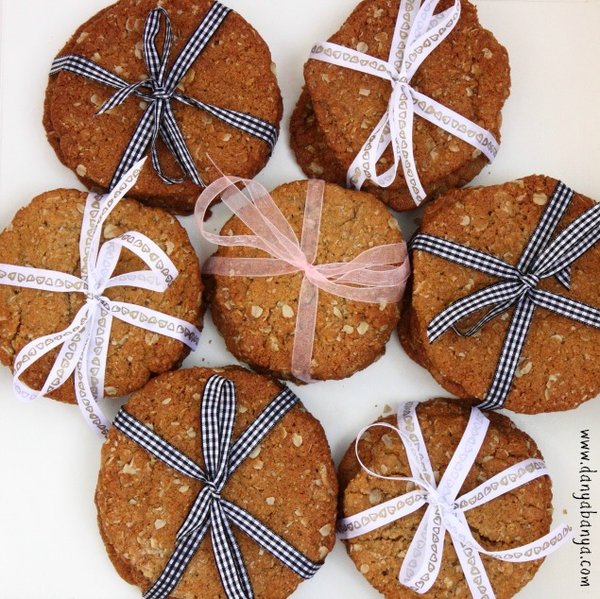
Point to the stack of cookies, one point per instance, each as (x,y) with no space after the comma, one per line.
(134,354)
(258,315)
(558,367)
(340,107)
(376,490)
(234,72)
(287,482)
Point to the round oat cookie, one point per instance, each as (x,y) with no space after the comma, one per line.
(234,72)
(288,483)
(516,518)
(45,234)
(257,315)
(469,73)
(560,363)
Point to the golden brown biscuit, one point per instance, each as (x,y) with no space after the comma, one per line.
(559,366)
(516,518)
(233,72)
(468,73)
(45,234)
(288,483)
(257,315)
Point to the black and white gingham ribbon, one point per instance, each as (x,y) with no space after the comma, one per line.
(518,285)
(159,89)
(210,510)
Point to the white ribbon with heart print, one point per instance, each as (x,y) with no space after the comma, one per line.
(417,34)
(445,511)
(86,340)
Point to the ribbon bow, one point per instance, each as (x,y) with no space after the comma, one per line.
(159,89)
(210,509)
(418,32)
(86,340)
(370,277)
(541,259)
(445,510)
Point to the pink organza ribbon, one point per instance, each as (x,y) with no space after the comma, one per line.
(378,275)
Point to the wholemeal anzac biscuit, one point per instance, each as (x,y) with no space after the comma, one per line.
(559,366)
(469,73)
(45,234)
(313,155)
(309,145)
(288,483)
(234,71)
(257,316)
(514,519)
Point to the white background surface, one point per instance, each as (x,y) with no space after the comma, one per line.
(49,543)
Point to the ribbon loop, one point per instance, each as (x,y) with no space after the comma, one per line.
(543,257)
(155,63)
(84,343)
(445,509)
(121,95)
(417,33)
(376,275)
(210,510)
(218,414)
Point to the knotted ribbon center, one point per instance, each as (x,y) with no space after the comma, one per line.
(84,343)
(530,280)
(161,93)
